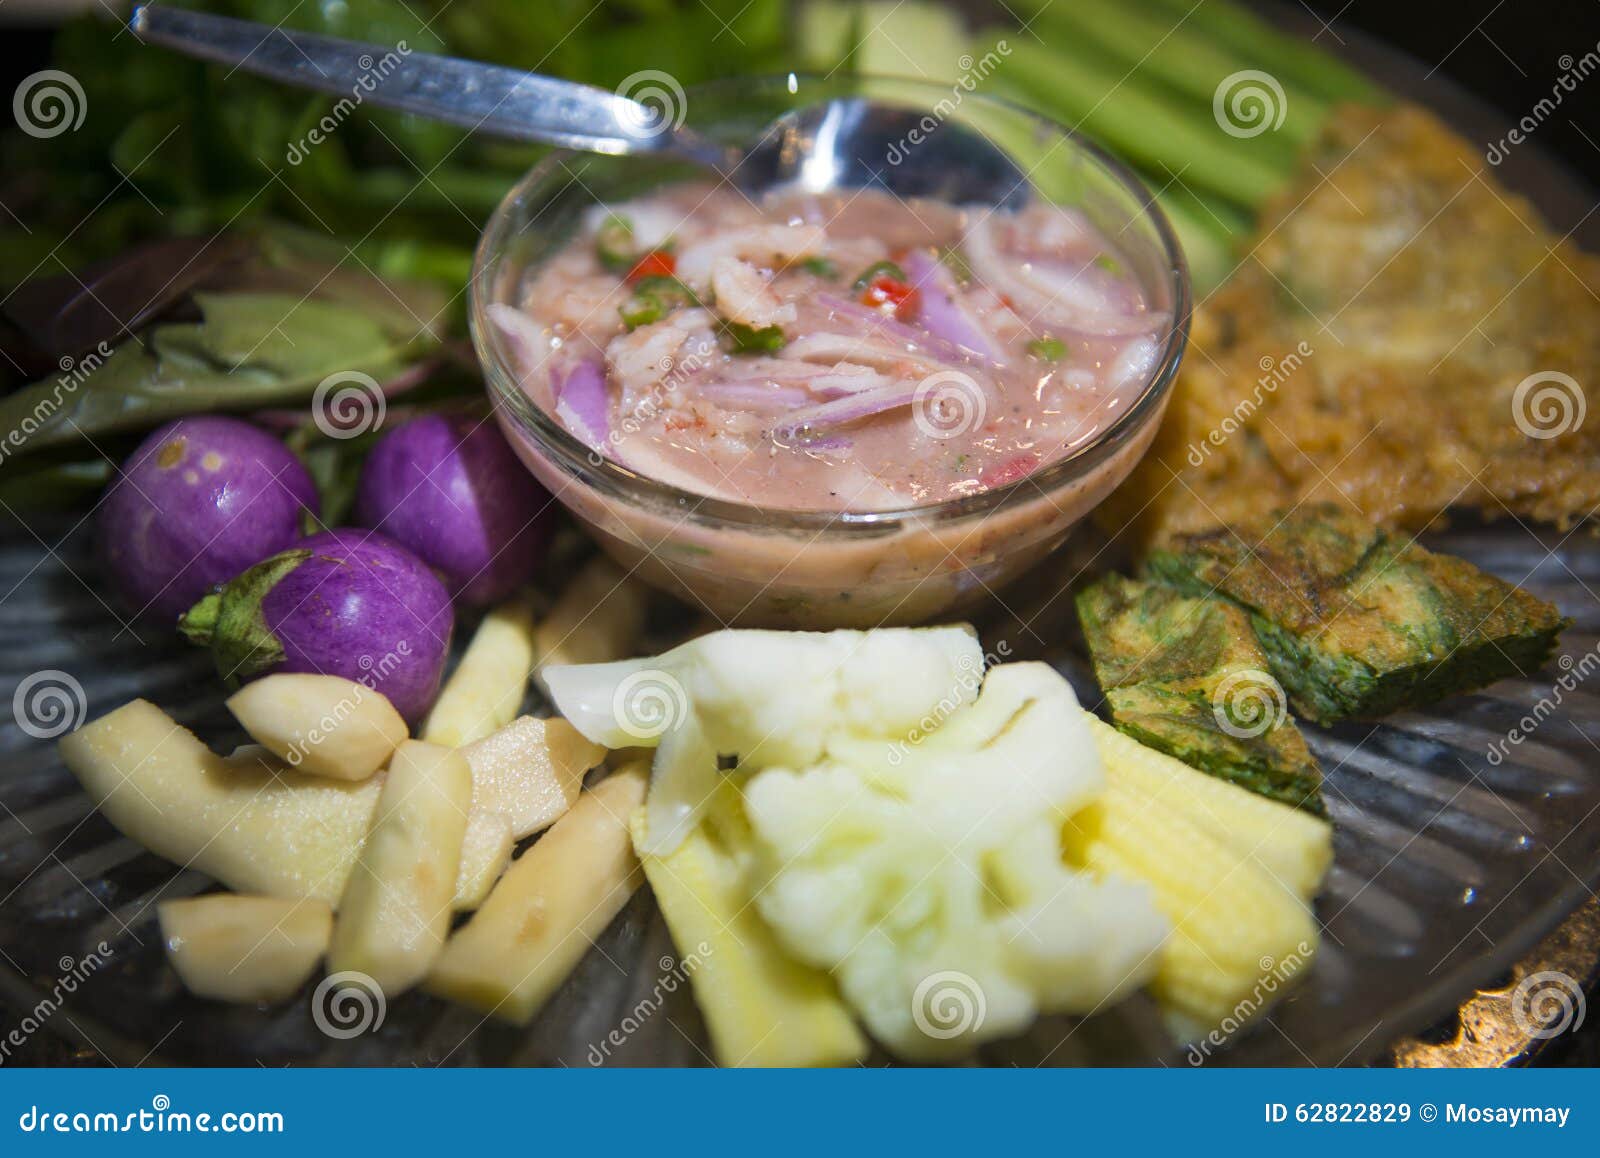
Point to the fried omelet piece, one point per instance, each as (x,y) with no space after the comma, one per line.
(1357,621)
(1184,674)
(1402,334)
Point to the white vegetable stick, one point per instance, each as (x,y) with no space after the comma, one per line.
(530,771)
(244,949)
(395,912)
(485,852)
(485,691)
(248,820)
(322,724)
(552,903)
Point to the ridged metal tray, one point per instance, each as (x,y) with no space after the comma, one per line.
(1450,864)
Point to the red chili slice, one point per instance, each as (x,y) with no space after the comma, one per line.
(656,263)
(902,299)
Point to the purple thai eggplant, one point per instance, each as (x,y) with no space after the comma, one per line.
(451,490)
(349,603)
(200,500)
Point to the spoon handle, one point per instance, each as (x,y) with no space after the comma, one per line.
(502,102)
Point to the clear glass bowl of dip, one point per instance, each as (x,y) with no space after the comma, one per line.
(756,566)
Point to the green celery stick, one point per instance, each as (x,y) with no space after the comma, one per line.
(1137,120)
(1172,51)
(1265,47)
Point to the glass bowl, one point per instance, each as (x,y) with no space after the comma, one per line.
(756,566)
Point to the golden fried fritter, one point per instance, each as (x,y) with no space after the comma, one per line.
(1371,348)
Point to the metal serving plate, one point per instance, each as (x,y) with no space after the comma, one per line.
(1450,865)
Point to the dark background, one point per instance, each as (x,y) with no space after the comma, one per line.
(1508,53)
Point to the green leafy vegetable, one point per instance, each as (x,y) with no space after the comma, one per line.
(1049,349)
(250,350)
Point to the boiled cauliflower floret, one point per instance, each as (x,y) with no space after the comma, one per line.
(928,877)
(768,699)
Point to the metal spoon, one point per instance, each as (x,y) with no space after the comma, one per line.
(832,144)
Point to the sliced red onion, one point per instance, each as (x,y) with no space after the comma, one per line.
(529,344)
(844,411)
(1072,302)
(839,379)
(941,315)
(754,395)
(878,323)
(582,402)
